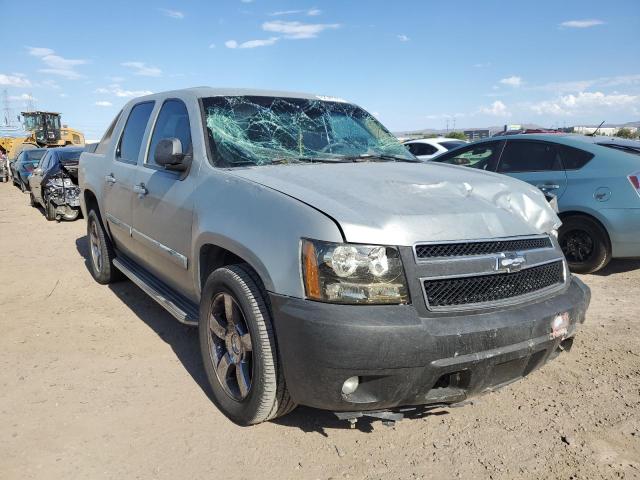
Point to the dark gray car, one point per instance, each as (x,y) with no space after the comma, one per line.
(323,264)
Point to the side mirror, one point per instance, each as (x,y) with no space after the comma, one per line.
(169,154)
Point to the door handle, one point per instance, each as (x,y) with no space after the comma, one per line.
(545,187)
(110,178)
(140,189)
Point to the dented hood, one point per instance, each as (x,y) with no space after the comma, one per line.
(404,203)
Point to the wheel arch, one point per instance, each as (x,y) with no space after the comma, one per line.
(213,252)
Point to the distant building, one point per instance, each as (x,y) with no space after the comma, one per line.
(479,134)
(609,131)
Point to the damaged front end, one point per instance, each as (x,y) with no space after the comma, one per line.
(61,194)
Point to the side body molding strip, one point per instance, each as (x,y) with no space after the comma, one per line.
(168,252)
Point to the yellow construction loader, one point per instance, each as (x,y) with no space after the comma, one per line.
(43,130)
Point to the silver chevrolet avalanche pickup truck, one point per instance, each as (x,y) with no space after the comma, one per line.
(322,263)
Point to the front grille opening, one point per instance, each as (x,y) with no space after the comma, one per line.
(459,379)
(481,248)
(453,292)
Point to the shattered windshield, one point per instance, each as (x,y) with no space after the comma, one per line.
(258,130)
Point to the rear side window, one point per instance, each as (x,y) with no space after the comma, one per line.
(421,148)
(131,140)
(483,155)
(525,156)
(106,139)
(173,122)
(573,158)
(34,156)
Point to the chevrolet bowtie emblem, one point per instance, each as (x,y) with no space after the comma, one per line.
(510,262)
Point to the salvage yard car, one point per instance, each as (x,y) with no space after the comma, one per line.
(596,181)
(322,263)
(54,183)
(24,165)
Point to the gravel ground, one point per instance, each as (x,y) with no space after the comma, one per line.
(100,382)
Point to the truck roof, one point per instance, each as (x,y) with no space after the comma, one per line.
(201,92)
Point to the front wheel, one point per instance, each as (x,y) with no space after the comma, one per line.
(239,349)
(50,210)
(584,243)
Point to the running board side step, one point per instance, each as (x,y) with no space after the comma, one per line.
(184,310)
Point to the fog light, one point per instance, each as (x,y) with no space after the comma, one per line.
(560,325)
(350,385)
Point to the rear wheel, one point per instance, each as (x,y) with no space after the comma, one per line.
(239,347)
(584,243)
(101,251)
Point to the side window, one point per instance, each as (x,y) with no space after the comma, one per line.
(173,122)
(483,155)
(131,140)
(418,148)
(106,139)
(526,156)
(573,158)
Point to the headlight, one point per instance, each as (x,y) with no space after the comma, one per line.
(352,273)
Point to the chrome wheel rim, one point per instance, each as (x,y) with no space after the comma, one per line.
(94,243)
(230,346)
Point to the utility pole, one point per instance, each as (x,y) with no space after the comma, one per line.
(7,113)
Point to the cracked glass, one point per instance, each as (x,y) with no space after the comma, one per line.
(260,130)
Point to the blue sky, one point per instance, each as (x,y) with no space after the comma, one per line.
(414,64)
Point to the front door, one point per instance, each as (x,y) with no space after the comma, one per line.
(119,180)
(162,205)
(535,162)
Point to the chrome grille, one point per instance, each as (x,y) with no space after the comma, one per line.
(466,291)
(463,249)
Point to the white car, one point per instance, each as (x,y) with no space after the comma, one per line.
(428,148)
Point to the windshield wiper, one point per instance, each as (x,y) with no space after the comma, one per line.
(285,160)
(365,157)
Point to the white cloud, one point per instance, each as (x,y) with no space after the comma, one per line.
(63,95)
(512,81)
(581,85)
(212,45)
(25,97)
(403,38)
(251,43)
(18,81)
(118,91)
(482,65)
(178,15)
(312,12)
(581,23)
(50,84)
(141,68)
(103,103)
(582,102)
(40,51)
(57,65)
(297,30)
(497,109)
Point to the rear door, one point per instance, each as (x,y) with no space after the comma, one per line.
(119,180)
(536,162)
(162,206)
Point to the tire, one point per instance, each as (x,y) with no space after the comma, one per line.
(267,396)
(49,211)
(101,253)
(585,243)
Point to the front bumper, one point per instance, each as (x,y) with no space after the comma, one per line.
(403,359)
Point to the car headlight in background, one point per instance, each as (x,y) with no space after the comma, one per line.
(353,273)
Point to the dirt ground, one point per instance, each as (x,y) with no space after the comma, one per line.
(100,382)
